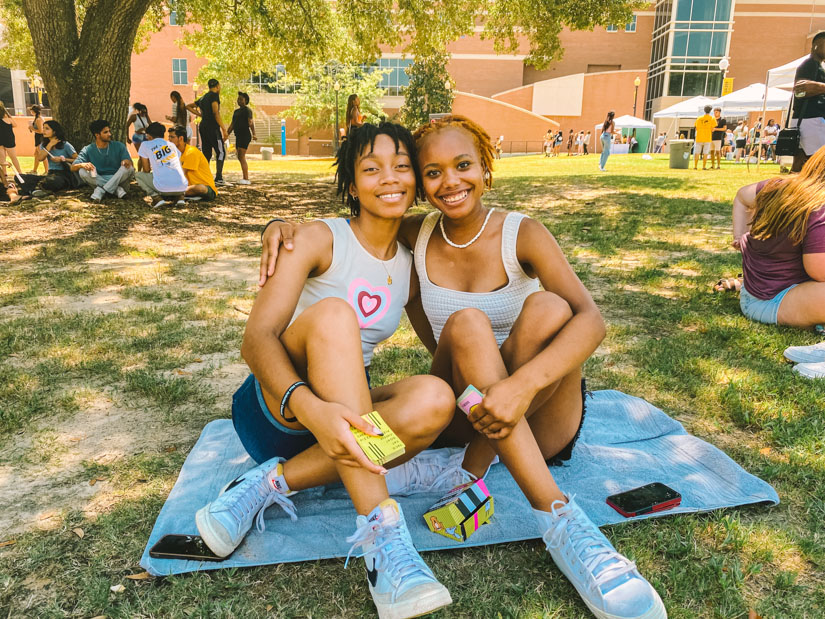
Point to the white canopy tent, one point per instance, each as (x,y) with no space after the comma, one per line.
(689,108)
(626,122)
(783,77)
(752,99)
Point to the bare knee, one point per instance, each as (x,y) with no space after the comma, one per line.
(331,317)
(434,404)
(468,321)
(547,308)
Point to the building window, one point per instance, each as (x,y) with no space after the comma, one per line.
(612,28)
(277,82)
(174,18)
(395,80)
(631,26)
(180,74)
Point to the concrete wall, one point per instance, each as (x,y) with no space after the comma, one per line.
(24,139)
(520,97)
(522,130)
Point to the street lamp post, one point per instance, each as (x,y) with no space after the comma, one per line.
(336,87)
(723,67)
(448,85)
(636,83)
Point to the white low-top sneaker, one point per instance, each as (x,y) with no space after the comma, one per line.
(400,582)
(608,583)
(806,354)
(433,470)
(810,370)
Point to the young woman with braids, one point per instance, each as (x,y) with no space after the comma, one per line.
(779,226)
(519,330)
(309,341)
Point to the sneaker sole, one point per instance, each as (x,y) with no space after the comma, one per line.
(796,356)
(657,612)
(805,373)
(428,603)
(210,536)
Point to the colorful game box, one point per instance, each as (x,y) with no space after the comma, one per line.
(469,399)
(462,511)
(379,449)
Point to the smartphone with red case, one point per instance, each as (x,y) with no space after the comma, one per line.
(655,497)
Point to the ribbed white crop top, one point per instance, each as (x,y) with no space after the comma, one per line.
(359,278)
(502,306)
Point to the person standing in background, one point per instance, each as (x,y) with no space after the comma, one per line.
(36,127)
(8,143)
(180,115)
(717,139)
(213,133)
(586,142)
(499,145)
(354,116)
(741,135)
(569,142)
(704,134)
(244,130)
(140,119)
(607,139)
(809,103)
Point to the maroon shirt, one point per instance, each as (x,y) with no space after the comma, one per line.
(771,265)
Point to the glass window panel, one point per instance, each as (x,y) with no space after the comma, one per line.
(699,44)
(631,27)
(714,87)
(612,28)
(703,10)
(675,87)
(694,84)
(718,46)
(722,10)
(701,26)
(683,10)
(680,41)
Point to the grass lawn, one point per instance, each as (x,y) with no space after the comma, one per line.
(119,334)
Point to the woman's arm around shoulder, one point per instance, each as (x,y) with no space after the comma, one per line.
(408,233)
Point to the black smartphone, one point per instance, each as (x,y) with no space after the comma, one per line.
(188,547)
(655,497)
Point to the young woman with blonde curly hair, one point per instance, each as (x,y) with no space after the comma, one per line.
(502,310)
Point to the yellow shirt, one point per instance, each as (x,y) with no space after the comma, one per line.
(704,128)
(196,167)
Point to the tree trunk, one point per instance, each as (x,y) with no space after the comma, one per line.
(86,70)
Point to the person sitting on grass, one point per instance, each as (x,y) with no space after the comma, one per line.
(779,226)
(309,342)
(161,175)
(195,166)
(519,330)
(8,190)
(104,164)
(60,155)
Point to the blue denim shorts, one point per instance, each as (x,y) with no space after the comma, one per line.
(762,310)
(263,436)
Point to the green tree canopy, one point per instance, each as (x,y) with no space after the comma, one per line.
(430,91)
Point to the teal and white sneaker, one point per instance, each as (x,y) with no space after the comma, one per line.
(400,582)
(609,584)
(433,470)
(224,522)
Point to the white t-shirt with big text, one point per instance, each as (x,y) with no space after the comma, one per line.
(167,173)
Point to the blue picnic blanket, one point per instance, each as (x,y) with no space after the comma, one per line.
(625,443)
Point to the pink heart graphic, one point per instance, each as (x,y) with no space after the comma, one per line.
(370,303)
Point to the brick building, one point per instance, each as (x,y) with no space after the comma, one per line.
(673,48)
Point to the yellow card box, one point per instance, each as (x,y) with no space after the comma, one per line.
(379,449)
(462,511)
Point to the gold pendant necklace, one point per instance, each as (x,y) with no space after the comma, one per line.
(372,249)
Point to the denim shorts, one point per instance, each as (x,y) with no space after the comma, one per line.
(263,436)
(762,310)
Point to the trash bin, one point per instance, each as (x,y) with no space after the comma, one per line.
(680,153)
(267,152)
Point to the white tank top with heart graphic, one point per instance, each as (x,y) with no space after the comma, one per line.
(361,280)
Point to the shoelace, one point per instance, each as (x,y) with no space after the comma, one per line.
(451,477)
(588,544)
(246,502)
(394,553)
(425,468)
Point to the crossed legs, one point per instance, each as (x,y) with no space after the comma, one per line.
(324,344)
(467,353)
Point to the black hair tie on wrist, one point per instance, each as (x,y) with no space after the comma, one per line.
(271,221)
(285,399)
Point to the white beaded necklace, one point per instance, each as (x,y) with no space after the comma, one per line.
(472,240)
